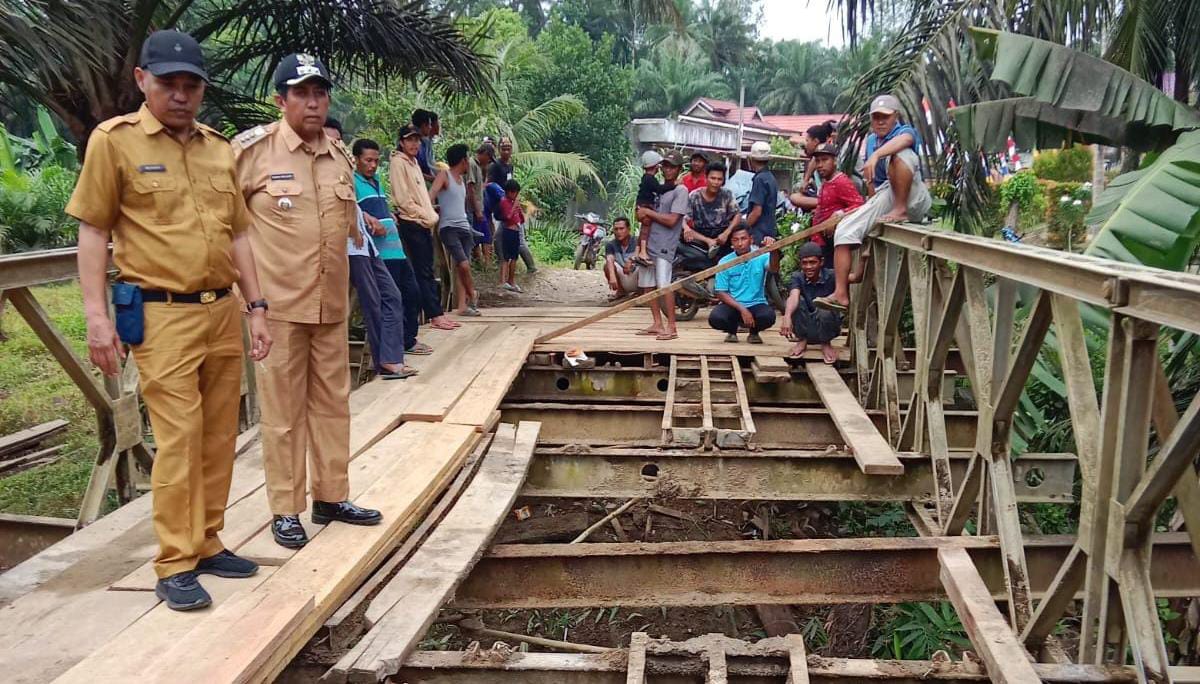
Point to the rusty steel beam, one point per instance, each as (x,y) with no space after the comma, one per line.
(1151,294)
(795,427)
(806,571)
(772,475)
(648,385)
(27,269)
(24,536)
(459,667)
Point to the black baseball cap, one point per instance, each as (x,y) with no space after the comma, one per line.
(172,52)
(828,148)
(297,68)
(408,131)
(673,158)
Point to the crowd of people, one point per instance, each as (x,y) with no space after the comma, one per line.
(293,217)
(697,213)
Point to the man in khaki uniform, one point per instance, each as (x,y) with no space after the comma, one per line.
(299,190)
(163,187)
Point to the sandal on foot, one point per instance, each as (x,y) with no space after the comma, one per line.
(829,305)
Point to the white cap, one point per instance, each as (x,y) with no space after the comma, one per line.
(651,158)
(885,104)
(760,151)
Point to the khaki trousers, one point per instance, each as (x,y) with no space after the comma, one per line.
(304,391)
(190,367)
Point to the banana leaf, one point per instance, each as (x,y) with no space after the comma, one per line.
(1152,216)
(1039,125)
(1074,80)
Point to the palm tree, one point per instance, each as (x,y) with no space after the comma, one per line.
(76,57)
(676,74)
(1154,37)
(725,30)
(804,82)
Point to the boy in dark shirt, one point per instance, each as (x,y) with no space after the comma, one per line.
(803,322)
(649,190)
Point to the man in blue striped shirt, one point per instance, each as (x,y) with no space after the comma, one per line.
(373,200)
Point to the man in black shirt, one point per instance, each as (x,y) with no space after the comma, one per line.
(620,270)
(803,322)
(501,170)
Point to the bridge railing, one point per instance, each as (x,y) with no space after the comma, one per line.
(963,290)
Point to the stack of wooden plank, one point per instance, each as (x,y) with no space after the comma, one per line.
(19,451)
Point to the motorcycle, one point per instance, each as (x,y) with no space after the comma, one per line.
(690,259)
(591,237)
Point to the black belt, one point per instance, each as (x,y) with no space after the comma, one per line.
(201,297)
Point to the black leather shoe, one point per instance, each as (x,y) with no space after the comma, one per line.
(182,591)
(753,338)
(343,511)
(226,564)
(288,531)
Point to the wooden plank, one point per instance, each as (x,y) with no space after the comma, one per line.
(403,610)
(234,641)
(797,660)
(993,639)
(742,401)
(339,626)
(427,458)
(718,669)
(31,460)
(635,668)
(442,388)
(23,439)
(1187,490)
(706,412)
(872,452)
(132,652)
(669,407)
(483,396)
(770,369)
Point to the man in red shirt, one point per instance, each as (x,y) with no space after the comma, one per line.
(838,195)
(695,178)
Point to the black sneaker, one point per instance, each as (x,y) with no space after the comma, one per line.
(323,512)
(753,338)
(182,591)
(713,249)
(288,531)
(226,564)
(731,338)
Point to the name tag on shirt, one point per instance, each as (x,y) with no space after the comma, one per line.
(283,176)
(152,168)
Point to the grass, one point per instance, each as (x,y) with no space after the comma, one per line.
(33,390)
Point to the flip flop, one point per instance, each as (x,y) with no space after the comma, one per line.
(667,336)
(648,332)
(405,372)
(419,349)
(829,305)
(447,326)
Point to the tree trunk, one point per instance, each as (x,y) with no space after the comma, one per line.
(1098,179)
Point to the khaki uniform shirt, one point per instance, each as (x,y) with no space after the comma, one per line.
(409,193)
(302,209)
(173,209)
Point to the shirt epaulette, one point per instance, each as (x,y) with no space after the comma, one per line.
(109,124)
(250,136)
(209,130)
(341,147)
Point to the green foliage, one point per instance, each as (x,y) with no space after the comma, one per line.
(552,241)
(782,146)
(31,209)
(1021,188)
(1069,164)
(574,64)
(859,519)
(676,73)
(804,79)
(915,631)
(1065,214)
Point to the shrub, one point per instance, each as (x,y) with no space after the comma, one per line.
(31,209)
(1071,164)
(552,242)
(1067,205)
(1022,188)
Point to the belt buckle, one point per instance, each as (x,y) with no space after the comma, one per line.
(208,297)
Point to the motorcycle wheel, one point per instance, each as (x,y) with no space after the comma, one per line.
(776,294)
(687,308)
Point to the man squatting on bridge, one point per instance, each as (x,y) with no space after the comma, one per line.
(164,187)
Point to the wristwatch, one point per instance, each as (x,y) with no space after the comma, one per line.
(257,304)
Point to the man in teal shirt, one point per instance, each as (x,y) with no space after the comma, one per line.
(373,201)
(741,290)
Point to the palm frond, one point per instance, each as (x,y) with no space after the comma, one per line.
(557,170)
(929,67)
(1070,79)
(542,121)
(1152,216)
(1139,41)
(368,41)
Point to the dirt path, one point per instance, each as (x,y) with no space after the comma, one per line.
(548,286)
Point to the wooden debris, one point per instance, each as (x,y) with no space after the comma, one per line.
(604,521)
(30,437)
(31,460)
(477,626)
(547,528)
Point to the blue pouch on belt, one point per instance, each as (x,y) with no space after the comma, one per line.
(127,300)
